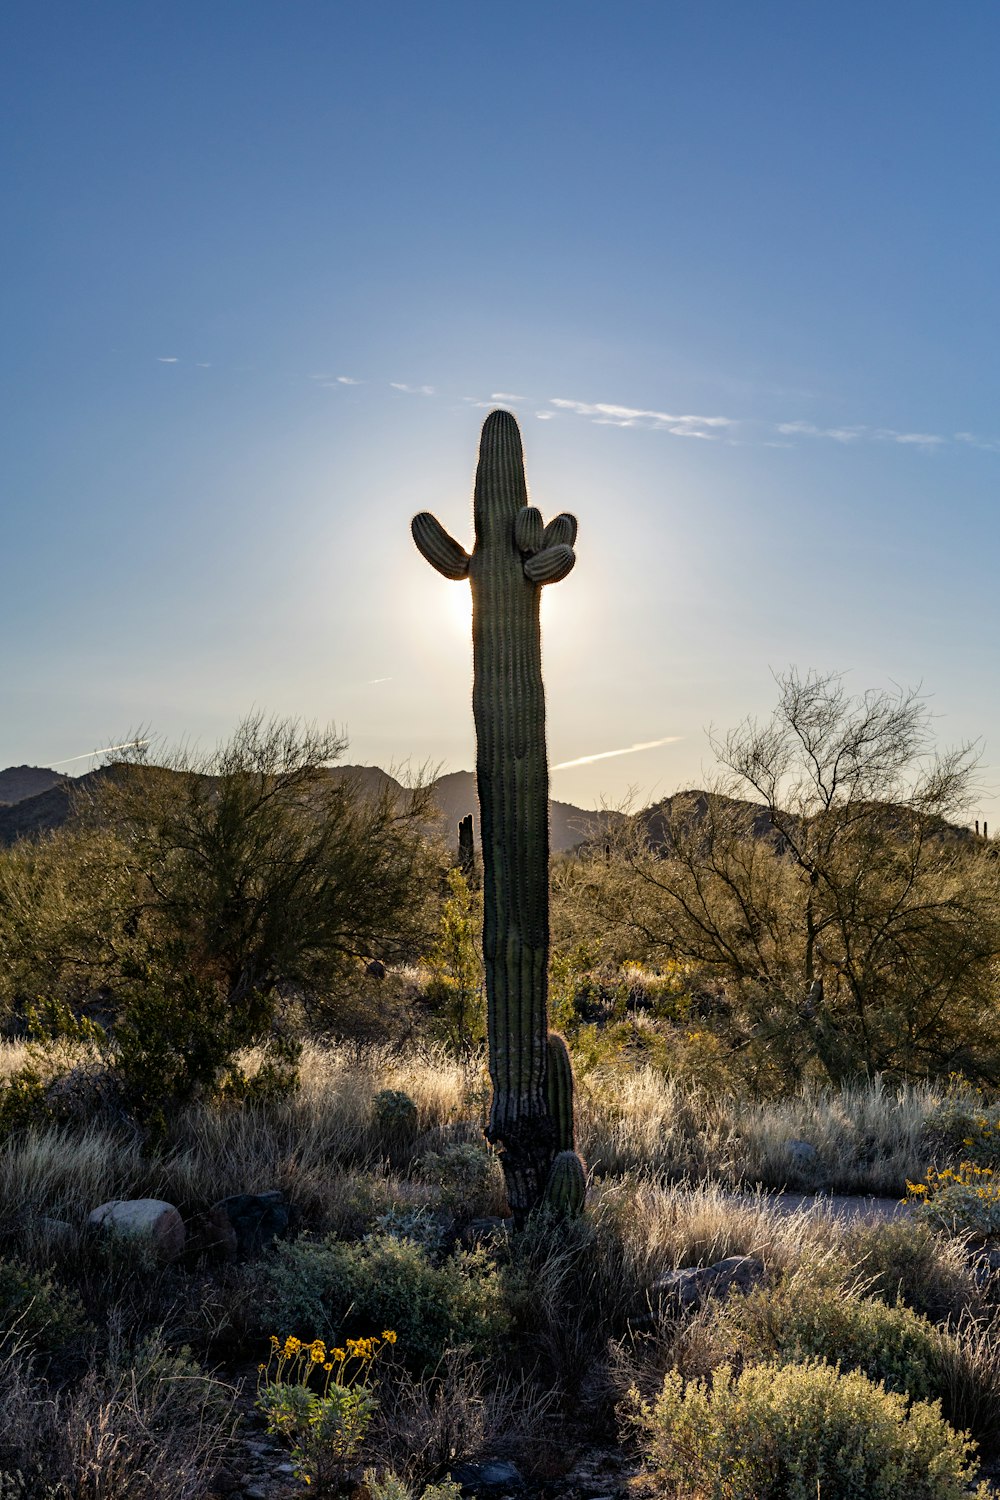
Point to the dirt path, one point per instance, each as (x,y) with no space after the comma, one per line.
(843,1206)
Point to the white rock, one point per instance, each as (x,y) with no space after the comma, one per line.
(148,1218)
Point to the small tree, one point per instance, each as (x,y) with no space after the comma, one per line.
(258,868)
(821,880)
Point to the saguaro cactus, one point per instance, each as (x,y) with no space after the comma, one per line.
(514,555)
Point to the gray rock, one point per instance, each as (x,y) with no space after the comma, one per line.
(248,1223)
(55,1231)
(494,1474)
(150,1219)
(691,1286)
(480,1231)
(801,1153)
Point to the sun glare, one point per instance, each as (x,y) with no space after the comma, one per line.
(460,608)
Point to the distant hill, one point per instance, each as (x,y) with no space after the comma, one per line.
(20,782)
(569,826)
(50,806)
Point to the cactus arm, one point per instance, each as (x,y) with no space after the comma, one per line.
(551,564)
(441,550)
(561,528)
(559,1087)
(528,530)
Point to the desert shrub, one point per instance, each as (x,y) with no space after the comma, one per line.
(391,1487)
(454,992)
(904,1260)
(792,1432)
(964,1127)
(68,909)
(417,1223)
(810,1316)
(468,1177)
(48,1317)
(396,1114)
(384,1282)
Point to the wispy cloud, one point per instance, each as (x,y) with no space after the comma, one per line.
(606,415)
(809,429)
(586,760)
(348,380)
(544,416)
(859,431)
(372,680)
(506,396)
(920,439)
(412,390)
(988,445)
(203,366)
(167,359)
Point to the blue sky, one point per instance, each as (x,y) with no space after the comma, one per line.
(737,263)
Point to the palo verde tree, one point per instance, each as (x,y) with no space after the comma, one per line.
(259,867)
(824,882)
(515,554)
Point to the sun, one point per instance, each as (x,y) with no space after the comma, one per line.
(460,608)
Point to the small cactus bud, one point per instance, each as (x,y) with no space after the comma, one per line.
(566,1189)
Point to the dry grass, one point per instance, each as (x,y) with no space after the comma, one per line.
(315,1144)
(867,1138)
(144,1427)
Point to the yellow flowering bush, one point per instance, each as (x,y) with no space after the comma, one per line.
(965,1199)
(321,1400)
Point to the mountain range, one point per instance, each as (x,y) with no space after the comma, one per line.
(35,800)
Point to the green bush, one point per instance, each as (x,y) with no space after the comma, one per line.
(805,1318)
(903,1260)
(33,1307)
(795,1432)
(383,1282)
(468,1177)
(391,1487)
(395,1113)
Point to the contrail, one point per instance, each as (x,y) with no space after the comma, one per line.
(129,745)
(585,760)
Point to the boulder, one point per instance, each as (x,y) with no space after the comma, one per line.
(690,1286)
(150,1219)
(801,1153)
(482,1231)
(254,1221)
(493,1476)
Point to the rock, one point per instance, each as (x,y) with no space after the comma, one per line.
(55,1231)
(480,1231)
(254,1221)
(376,969)
(254,1492)
(690,1286)
(801,1153)
(494,1474)
(147,1218)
